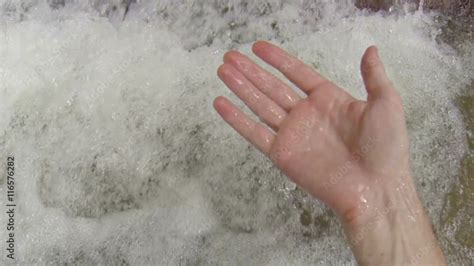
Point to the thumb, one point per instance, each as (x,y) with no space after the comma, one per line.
(375,79)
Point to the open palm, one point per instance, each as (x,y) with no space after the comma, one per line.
(337,148)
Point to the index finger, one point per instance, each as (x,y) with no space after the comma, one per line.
(302,75)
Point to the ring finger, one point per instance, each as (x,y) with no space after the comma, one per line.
(266,109)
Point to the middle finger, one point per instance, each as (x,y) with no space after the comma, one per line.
(266,109)
(267,83)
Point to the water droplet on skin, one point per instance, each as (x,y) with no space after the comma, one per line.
(426,68)
(267,139)
(247,123)
(243,66)
(276,113)
(291,99)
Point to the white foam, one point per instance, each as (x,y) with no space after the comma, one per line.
(121,159)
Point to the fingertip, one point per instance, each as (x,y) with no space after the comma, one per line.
(373,50)
(370,52)
(219,103)
(221,70)
(373,74)
(230,55)
(225,108)
(260,46)
(371,61)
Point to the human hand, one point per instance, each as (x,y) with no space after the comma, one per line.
(335,147)
(351,154)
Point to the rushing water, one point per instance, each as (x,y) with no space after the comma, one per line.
(106,106)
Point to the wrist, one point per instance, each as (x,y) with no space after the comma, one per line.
(388,196)
(391,227)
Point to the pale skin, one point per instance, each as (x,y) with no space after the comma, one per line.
(351,154)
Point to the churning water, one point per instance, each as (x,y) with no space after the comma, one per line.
(120,158)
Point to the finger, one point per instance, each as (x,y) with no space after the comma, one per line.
(268,84)
(375,79)
(267,110)
(255,133)
(302,75)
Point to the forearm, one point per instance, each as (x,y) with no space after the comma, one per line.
(394,231)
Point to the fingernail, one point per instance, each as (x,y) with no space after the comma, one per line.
(376,51)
